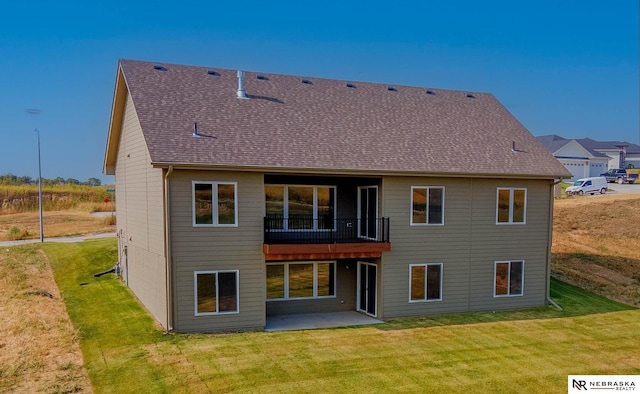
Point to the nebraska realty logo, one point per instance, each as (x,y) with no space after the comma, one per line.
(582,383)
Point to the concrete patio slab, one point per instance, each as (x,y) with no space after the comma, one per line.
(312,321)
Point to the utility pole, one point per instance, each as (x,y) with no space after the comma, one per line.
(37,112)
(40,190)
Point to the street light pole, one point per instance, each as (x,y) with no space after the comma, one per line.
(40,189)
(34,112)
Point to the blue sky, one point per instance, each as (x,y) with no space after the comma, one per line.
(561,67)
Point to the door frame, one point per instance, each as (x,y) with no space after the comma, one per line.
(366,214)
(368,266)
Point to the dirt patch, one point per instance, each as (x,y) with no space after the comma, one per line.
(39,348)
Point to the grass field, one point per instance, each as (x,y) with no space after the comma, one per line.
(523,351)
(125,351)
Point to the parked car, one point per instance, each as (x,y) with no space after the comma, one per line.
(591,185)
(619,175)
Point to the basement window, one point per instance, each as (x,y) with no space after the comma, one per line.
(301,280)
(509,278)
(425,282)
(216,292)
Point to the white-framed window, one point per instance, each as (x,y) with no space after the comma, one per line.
(425,282)
(511,205)
(215,204)
(216,292)
(301,280)
(300,207)
(509,278)
(427,205)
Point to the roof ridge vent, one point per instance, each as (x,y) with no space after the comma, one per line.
(470,95)
(241,93)
(391,88)
(262,77)
(306,81)
(431,92)
(350,85)
(213,72)
(159,67)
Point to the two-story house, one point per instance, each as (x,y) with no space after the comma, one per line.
(242,196)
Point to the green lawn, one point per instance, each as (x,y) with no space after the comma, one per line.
(524,351)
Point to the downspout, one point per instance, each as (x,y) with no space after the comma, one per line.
(551,204)
(167,246)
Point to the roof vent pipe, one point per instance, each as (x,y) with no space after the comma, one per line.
(240,93)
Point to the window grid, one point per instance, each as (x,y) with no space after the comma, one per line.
(222,298)
(285,287)
(508,278)
(425,280)
(283,205)
(431,212)
(211,205)
(511,206)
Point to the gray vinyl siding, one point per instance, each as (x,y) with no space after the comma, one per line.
(491,242)
(467,246)
(140,217)
(218,248)
(446,244)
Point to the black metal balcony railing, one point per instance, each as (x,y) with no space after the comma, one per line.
(303,229)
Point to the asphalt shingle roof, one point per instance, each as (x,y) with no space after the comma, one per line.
(553,142)
(324,124)
(591,145)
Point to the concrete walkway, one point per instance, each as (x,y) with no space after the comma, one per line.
(312,321)
(74,238)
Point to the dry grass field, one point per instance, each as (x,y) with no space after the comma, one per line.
(596,245)
(39,348)
(56,224)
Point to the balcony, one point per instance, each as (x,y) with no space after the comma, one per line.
(302,237)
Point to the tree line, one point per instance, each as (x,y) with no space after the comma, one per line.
(10,179)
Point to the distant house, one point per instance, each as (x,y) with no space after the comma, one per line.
(580,161)
(586,157)
(621,154)
(243,196)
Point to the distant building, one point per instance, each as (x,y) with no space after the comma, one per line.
(586,157)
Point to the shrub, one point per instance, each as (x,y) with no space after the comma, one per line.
(16,233)
(110,220)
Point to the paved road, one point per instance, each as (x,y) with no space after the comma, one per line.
(75,238)
(625,188)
